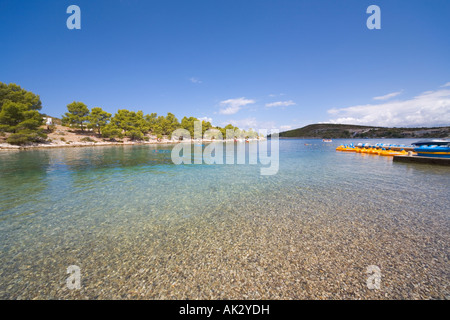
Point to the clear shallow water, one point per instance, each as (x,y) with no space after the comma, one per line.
(140,227)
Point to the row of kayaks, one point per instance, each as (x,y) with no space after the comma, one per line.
(425,148)
(381,151)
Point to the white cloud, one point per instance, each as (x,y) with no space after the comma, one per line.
(431,108)
(195,80)
(205,119)
(388,96)
(446,85)
(280,104)
(285,128)
(245,123)
(232,106)
(252,123)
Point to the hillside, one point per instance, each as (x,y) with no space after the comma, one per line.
(336,131)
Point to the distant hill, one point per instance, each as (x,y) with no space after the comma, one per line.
(337,131)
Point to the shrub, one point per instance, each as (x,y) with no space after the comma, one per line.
(135,135)
(51,128)
(87,139)
(111,132)
(26,137)
(18,139)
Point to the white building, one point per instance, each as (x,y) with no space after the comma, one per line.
(48,121)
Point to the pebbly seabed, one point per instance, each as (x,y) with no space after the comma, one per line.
(139,227)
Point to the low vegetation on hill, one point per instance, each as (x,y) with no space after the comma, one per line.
(345,131)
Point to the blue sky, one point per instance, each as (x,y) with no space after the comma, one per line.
(254,63)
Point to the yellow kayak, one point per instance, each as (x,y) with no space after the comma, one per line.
(391,153)
(345,148)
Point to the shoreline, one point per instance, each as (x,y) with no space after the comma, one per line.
(10,147)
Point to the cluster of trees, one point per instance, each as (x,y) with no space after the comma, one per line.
(19,115)
(136,125)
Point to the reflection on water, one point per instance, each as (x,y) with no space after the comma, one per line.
(141,227)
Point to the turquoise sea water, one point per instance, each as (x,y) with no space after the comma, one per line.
(139,226)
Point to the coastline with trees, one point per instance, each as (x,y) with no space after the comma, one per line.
(22,125)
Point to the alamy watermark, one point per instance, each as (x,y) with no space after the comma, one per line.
(374,21)
(73,282)
(221,151)
(74,20)
(374,280)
